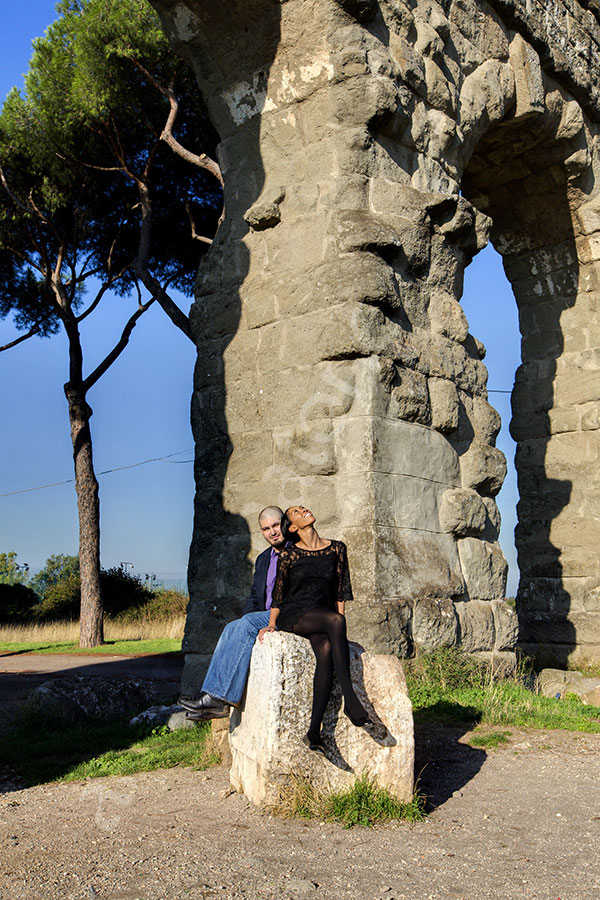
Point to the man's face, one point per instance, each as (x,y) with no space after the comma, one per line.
(271,530)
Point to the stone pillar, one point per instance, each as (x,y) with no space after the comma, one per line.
(335,363)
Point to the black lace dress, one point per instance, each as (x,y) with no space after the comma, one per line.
(310,579)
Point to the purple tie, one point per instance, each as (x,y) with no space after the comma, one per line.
(271,575)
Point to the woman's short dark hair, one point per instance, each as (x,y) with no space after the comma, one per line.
(292,536)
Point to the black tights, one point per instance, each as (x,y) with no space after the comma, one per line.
(326,631)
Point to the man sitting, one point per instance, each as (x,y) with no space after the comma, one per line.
(227,673)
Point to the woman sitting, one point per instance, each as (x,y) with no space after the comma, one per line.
(309,595)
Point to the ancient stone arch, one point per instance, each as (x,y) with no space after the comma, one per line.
(370,148)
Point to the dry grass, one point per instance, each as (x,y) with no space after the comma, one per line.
(363,804)
(64,632)
(297,797)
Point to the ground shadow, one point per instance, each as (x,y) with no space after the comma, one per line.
(443,765)
(36,747)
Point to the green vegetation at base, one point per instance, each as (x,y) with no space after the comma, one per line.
(449,686)
(41,749)
(489,740)
(364,804)
(116,648)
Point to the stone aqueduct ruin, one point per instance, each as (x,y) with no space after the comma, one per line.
(370,148)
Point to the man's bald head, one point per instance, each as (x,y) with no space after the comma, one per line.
(269,520)
(270,512)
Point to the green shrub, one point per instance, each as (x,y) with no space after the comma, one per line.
(164,603)
(57,568)
(120,592)
(17,603)
(62,600)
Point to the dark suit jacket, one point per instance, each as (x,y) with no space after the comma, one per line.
(257,598)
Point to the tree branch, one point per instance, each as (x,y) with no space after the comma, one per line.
(196,159)
(94,303)
(176,315)
(152,285)
(114,354)
(195,235)
(32,331)
(103,288)
(25,258)
(150,159)
(15,199)
(37,211)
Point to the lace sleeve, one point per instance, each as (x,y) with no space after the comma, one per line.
(279,588)
(343,572)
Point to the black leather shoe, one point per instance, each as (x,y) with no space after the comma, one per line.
(204,707)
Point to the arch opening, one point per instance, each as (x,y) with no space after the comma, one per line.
(530,176)
(489,305)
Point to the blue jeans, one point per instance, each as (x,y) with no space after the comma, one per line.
(228,669)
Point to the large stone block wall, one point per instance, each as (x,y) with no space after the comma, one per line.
(369,149)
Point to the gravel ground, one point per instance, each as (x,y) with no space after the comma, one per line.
(521,821)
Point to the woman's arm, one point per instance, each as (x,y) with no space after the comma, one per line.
(272,623)
(340,607)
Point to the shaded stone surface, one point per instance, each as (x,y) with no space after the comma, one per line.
(266,733)
(174,716)
(369,151)
(80,698)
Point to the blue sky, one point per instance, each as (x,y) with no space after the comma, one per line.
(141,411)
(141,408)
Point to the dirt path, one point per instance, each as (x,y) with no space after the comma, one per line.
(522,821)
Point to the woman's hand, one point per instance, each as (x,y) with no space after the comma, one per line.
(263,631)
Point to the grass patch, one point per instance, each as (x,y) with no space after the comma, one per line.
(491,740)
(116,648)
(42,749)
(450,687)
(364,804)
(115,629)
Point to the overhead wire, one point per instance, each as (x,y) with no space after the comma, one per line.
(143,462)
(167,458)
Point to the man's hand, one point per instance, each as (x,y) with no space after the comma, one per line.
(263,631)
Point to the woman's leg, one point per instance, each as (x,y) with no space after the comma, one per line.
(322,681)
(333,625)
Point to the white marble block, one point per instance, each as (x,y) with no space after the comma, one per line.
(266,732)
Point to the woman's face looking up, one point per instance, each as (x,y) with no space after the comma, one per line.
(300,516)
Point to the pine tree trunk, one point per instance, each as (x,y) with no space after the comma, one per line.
(88,504)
